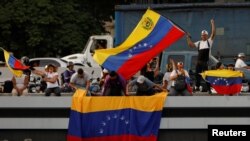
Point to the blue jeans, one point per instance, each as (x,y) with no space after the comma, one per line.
(55,90)
(173,92)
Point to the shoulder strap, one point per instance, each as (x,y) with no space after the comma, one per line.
(199,45)
(180,74)
(207,45)
(176,72)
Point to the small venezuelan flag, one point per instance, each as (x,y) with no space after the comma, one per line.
(14,65)
(224,81)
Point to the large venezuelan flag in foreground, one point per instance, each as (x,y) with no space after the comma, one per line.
(224,81)
(116,118)
(152,35)
(14,65)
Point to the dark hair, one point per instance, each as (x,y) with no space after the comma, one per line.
(53,66)
(230,65)
(25,60)
(218,65)
(80,71)
(112,74)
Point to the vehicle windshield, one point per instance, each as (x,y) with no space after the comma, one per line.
(84,49)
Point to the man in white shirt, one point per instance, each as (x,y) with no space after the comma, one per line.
(204,48)
(80,79)
(240,62)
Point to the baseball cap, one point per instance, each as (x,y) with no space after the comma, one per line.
(140,79)
(204,32)
(46,66)
(94,81)
(105,71)
(241,55)
(70,64)
(180,63)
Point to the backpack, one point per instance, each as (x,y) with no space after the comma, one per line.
(180,82)
(8,86)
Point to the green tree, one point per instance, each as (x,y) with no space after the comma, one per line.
(39,28)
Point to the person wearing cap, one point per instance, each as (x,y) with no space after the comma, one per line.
(65,77)
(173,76)
(94,88)
(166,78)
(204,46)
(240,62)
(26,61)
(114,85)
(105,73)
(68,73)
(144,86)
(51,77)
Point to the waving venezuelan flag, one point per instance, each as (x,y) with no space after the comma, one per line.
(224,81)
(152,35)
(116,118)
(14,65)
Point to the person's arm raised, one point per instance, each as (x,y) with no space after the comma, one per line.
(189,41)
(213,29)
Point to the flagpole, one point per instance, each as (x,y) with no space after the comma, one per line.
(2,48)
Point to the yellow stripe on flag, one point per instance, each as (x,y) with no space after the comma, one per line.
(222,73)
(140,32)
(17,73)
(106,103)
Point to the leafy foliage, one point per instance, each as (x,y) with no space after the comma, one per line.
(39,28)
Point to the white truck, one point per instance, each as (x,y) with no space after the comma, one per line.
(83,59)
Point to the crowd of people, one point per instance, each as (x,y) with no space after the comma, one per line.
(176,79)
(113,84)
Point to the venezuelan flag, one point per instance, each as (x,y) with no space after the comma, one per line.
(14,65)
(224,81)
(116,118)
(152,35)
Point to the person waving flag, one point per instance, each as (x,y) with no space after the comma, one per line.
(14,65)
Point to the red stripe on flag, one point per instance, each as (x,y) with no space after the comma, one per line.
(127,70)
(113,138)
(19,66)
(232,89)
